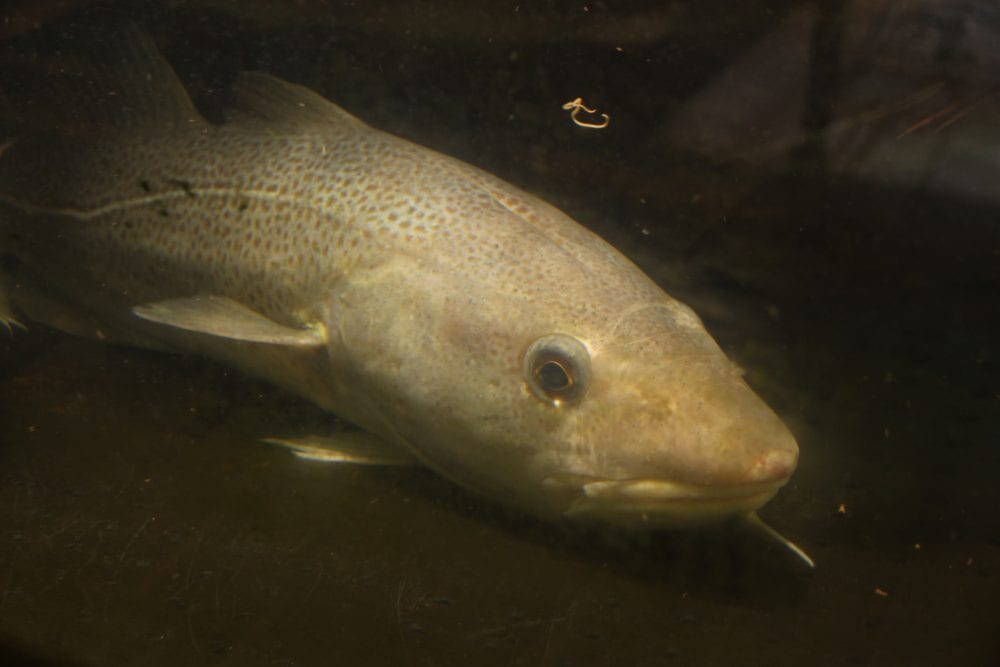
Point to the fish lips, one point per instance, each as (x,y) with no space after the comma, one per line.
(654,503)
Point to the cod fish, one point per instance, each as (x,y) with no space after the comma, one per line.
(458,321)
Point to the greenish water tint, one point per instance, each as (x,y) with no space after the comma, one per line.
(142,521)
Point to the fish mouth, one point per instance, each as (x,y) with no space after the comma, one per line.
(655,503)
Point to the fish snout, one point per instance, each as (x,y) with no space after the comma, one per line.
(774,465)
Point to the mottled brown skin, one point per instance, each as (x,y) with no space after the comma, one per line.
(427,281)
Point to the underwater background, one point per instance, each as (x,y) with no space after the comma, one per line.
(820,181)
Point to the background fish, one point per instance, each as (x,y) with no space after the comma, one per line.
(456,319)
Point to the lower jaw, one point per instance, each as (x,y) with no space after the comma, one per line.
(624,504)
(674,515)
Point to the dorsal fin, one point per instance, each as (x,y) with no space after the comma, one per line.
(151,93)
(259,97)
(114,79)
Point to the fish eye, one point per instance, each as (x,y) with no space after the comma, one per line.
(557,368)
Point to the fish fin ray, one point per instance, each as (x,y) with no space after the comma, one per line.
(79,102)
(219,316)
(150,85)
(128,86)
(261,97)
(7,319)
(352,446)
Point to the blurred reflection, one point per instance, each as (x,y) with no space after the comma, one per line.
(898,92)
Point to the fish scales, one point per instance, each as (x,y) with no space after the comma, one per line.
(455,318)
(308,207)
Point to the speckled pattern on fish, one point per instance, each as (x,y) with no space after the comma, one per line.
(441,309)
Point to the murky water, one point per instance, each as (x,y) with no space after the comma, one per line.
(853,275)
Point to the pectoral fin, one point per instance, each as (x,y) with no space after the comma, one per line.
(357,447)
(219,316)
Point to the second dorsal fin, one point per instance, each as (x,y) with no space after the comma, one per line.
(260,97)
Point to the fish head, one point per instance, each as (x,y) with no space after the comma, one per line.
(519,354)
(662,430)
(574,405)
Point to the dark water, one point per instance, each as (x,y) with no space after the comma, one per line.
(838,228)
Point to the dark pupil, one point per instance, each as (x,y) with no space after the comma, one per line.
(553,376)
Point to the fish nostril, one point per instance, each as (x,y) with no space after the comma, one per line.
(773,465)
